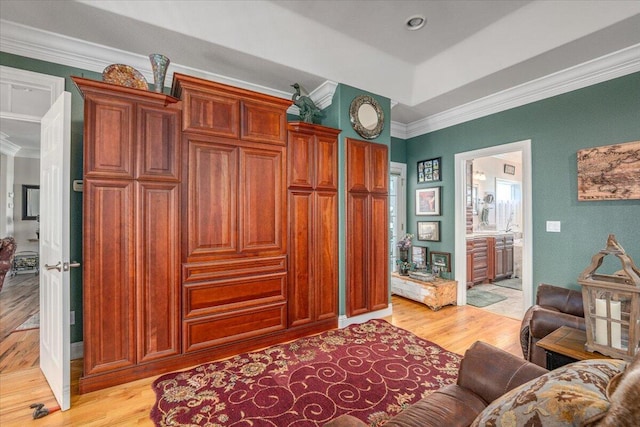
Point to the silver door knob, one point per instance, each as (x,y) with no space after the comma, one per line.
(67,265)
(58,266)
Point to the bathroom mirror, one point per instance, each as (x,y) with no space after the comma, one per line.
(30,202)
(367,117)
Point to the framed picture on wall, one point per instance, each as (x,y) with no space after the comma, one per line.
(428,201)
(509,169)
(442,260)
(430,170)
(429,231)
(419,256)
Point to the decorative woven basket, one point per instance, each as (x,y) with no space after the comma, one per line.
(612,305)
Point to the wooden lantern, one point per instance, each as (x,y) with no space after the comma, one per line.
(612,305)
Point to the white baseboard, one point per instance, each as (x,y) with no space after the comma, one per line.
(77,350)
(344,321)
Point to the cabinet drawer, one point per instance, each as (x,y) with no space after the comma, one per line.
(219,296)
(228,268)
(224,328)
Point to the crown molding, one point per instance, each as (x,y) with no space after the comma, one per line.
(611,66)
(52,47)
(7,147)
(47,46)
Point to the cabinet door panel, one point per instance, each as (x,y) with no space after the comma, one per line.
(378,252)
(325,244)
(357,253)
(300,158)
(357,164)
(158,143)
(212,199)
(109,281)
(326,163)
(379,169)
(264,123)
(109,138)
(158,270)
(211,113)
(301,248)
(262,194)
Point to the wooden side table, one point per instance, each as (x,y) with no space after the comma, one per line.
(566,345)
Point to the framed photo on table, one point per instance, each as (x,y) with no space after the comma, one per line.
(428,201)
(442,260)
(429,231)
(419,256)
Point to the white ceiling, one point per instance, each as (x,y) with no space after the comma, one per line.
(467,51)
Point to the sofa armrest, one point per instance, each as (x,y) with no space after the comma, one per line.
(544,321)
(561,299)
(490,372)
(345,421)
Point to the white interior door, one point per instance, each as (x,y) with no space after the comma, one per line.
(55,358)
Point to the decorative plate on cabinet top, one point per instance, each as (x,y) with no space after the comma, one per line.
(124,75)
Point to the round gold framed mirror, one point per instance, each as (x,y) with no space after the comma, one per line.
(367,117)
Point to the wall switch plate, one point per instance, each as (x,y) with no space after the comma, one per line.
(553,226)
(78,185)
(72,318)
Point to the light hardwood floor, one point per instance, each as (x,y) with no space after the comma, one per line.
(452,327)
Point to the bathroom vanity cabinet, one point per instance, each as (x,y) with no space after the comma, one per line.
(489,258)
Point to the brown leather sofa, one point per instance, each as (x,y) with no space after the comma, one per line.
(486,373)
(555,307)
(7,251)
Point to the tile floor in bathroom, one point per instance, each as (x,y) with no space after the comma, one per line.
(511,307)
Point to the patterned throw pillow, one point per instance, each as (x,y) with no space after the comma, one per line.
(573,395)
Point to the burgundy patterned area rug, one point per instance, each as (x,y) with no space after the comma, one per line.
(371,371)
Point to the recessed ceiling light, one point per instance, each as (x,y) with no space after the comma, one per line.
(416,22)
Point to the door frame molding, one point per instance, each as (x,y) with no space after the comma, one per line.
(460,217)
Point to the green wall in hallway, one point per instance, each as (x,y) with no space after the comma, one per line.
(603,114)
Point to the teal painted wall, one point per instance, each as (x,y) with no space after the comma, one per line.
(337,116)
(603,114)
(77,123)
(398,151)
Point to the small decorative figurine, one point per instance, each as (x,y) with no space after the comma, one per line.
(308,110)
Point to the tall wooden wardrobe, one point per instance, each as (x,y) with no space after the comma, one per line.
(367,227)
(188,207)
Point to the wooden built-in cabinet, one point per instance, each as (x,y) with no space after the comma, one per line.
(500,251)
(189,205)
(367,212)
(477,261)
(235,213)
(313,224)
(489,258)
(131,238)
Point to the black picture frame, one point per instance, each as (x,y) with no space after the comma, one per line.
(30,202)
(429,231)
(509,169)
(429,170)
(442,260)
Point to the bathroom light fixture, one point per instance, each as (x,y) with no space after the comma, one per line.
(415,22)
(479,176)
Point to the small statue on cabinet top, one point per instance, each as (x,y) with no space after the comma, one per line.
(309,113)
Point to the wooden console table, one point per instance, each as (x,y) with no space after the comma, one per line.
(434,294)
(566,345)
